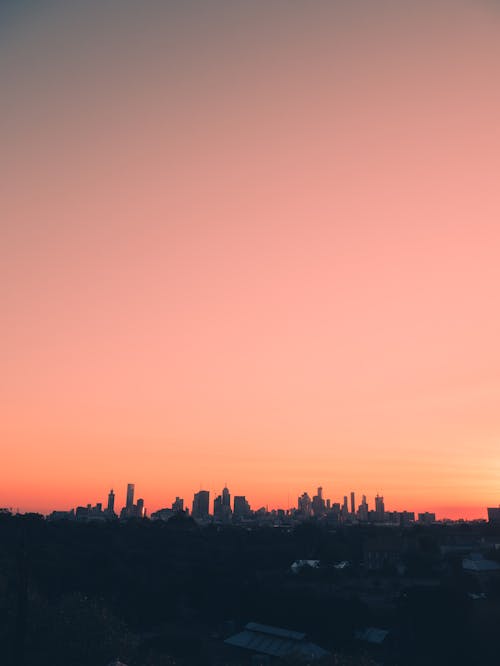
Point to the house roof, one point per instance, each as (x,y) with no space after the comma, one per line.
(275,631)
(372,635)
(298,565)
(275,642)
(480,565)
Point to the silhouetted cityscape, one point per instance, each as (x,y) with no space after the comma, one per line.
(226,511)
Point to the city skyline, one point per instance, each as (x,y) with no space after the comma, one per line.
(254,242)
(353,504)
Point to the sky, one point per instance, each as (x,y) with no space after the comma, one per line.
(254,243)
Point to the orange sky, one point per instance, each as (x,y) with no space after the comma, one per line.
(251,244)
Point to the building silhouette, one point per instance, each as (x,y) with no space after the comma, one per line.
(493,515)
(201,505)
(130,495)
(318,503)
(131,510)
(241,507)
(222,507)
(304,505)
(363,510)
(426,518)
(345,509)
(178,505)
(379,509)
(111,503)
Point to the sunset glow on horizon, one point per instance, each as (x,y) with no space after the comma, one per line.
(253,243)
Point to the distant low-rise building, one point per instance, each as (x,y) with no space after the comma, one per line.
(162,514)
(89,512)
(61,515)
(426,518)
(406,518)
(178,505)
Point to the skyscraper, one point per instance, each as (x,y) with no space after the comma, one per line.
(111,502)
(318,503)
(222,507)
(353,504)
(304,505)
(241,506)
(201,503)
(130,495)
(345,508)
(379,508)
(363,510)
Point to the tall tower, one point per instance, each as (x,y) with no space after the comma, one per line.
(226,497)
(363,509)
(111,502)
(379,508)
(353,503)
(345,507)
(318,503)
(130,495)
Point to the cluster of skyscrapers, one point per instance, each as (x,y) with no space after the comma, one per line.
(130,510)
(319,507)
(225,512)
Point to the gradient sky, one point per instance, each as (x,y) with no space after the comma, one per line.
(253,242)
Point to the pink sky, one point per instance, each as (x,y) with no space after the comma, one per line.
(251,245)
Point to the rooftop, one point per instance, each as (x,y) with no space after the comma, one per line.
(479,564)
(276,642)
(372,635)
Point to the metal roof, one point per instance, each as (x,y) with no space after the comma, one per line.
(372,635)
(275,631)
(275,642)
(298,565)
(480,565)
